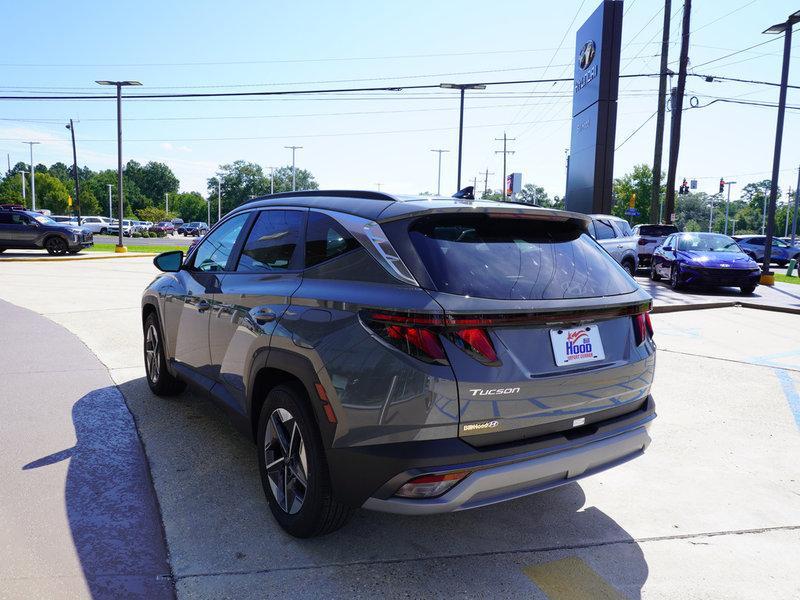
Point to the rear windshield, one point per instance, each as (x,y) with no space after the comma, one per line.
(515,258)
(657,230)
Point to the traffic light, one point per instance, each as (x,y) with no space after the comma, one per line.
(684,187)
(721,185)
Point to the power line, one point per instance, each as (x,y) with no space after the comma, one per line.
(735,10)
(635,131)
(708,62)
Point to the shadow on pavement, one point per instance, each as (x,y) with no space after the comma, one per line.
(218,523)
(112,511)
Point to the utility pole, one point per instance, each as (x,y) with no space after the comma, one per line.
(439,178)
(33,176)
(486,182)
(711,213)
(208,210)
(505,152)
(655,197)
(728,205)
(219,199)
(8,158)
(566,173)
(462,87)
(166,201)
(788,202)
(22,176)
(272,180)
(71,128)
(474,184)
(764,214)
(796,197)
(379,186)
(109,186)
(294,171)
(677,111)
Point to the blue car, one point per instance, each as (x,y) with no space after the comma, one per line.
(781,253)
(704,259)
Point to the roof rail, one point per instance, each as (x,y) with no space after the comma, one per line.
(336,193)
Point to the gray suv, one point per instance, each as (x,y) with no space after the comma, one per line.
(405,354)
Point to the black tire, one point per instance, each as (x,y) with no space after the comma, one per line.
(673,278)
(56,246)
(160,380)
(2,250)
(103,231)
(653,275)
(782,263)
(747,289)
(304,511)
(629,268)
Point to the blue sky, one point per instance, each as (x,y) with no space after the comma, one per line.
(360,140)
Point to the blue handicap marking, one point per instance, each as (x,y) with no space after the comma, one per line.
(789,359)
(790,391)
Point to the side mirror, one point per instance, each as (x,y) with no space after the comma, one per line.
(169,262)
(667,248)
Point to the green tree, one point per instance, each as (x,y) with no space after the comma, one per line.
(97,185)
(51,194)
(691,225)
(62,172)
(640,182)
(534,194)
(155,214)
(304,180)
(239,181)
(190,206)
(153,180)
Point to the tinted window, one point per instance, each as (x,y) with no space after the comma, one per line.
(515,258)
(756,241)
(656,230)
(707,242)
(213,252)
(624,227)
(603,231)
(273,242)
(326,239)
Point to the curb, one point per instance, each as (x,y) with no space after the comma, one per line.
(69,258)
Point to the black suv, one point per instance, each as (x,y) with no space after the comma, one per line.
(22,229)
(406,354)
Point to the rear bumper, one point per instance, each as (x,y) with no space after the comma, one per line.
(507,481)
(370,476)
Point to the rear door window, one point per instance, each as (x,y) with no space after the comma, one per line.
(486,256)
(326,239)
(273,242)
(603,231)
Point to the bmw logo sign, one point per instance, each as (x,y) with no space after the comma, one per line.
(586,55)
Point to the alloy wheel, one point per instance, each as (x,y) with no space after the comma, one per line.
(285,460)
(152,354)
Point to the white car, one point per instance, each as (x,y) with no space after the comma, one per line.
(648,238)
(128,227)
(96,224)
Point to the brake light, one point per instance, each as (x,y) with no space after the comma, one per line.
(643,242)
(407,333)
(476,342)
(642,328)
(422,340)
(430,486)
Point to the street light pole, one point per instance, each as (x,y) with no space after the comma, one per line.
(786,28)
(272,180)
(109,186)
(788,201)
(294,171)
(119,85)
(166,201)
(796,198)
(439,179)
(462,87)
(33,176)
(22,176)
(71,128)
(727,205)
(219,199)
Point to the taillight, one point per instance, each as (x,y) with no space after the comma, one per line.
(430,486)
(642,328)
(416,335)
(643,242)
(476,343)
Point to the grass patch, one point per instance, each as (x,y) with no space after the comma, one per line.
(784,279)
(135,248)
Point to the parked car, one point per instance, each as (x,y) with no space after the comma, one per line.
(181,228)
(379,350)
(163,227)
(96,224)
(194,228)
(710,259)
(788,240)
(648,237)
(20,229)
(65,219)
(177,222)
(128,227)
(616,236)
(781,254)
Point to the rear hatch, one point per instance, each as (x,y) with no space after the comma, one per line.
(544,331)
(650,236)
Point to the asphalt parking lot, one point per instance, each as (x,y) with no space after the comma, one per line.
(712,510)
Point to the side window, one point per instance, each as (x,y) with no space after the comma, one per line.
(668,242)
(5,218)
(273,242)
(326,239)
(756,241)
(213,252)
(604,230)
(591,229)
(625,228)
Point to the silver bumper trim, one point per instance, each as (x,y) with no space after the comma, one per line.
(514,480)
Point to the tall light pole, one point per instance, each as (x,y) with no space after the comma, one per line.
(71,127)
(219,198)
(272,180)
(728,204)
(119,85)
(208,208)
(109,186)
(294,171)
(439,179)
(33,176)
(166,201)
(22,176)
(462,87)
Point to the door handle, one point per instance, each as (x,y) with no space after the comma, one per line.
(203,306)
(620,246)
(264,316)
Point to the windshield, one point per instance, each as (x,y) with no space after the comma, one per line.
(707,242)
(44,220)
(515,259)
(657,230)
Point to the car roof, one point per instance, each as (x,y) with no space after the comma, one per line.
(381,206)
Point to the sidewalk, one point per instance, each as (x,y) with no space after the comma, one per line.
(78,512)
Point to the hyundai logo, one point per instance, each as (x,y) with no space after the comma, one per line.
(586,55)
